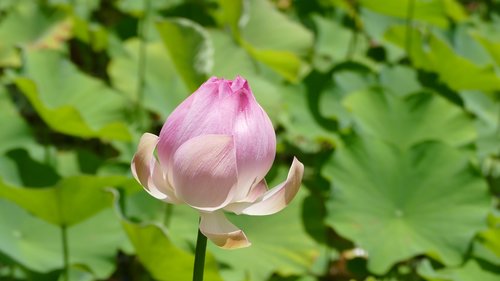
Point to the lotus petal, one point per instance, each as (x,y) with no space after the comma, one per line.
(148,172)
(275,199)
(204,172)
(216,227)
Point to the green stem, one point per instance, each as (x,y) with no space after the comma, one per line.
(11,271)
(355,33)
(352,44)
(141,69)
(199,258)
(498,119)
(498,124)
(64,235)
(167,215)
(409,23)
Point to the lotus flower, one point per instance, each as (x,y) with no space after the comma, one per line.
(213,153)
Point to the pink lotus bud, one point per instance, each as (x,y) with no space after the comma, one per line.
(214,151)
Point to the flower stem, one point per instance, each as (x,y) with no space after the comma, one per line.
(409,26)
(199,258)
(64,234)
(142,61)
(167,215)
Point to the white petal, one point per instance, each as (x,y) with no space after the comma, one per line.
(147,171)
(256,192)
(275,199)
(221,232)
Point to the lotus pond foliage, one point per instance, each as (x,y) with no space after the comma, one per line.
(392,106)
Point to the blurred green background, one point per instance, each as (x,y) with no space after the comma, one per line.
(393,106)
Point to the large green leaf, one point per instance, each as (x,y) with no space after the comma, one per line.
(486,111)
(487,33)
(37,245)
(268,29)
(303,128)
(163,88)
(190,48)
(405,121)
(164,260)
(139,8)
(345,81)
(7,4)
(276,41)
(330,50)
(492,46)
(400,80)
(397,204)
(71,102)
(469,47)
(229,58)
(232,14)
(15,131)
(70,201)
(95,242)
(27,26)
(93,34)
(486,247)
(39,250)
(472,270)
(482,265)
(19,168)
(433,54)
(434,12)
(285,63)
(82,8)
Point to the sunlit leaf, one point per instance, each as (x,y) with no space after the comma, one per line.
(138,8)
(433,54)
(428,11)
(267,28)
(15,131)
(95,35)
(233,14)
(71,102)
(487,244)
(163,259)
(190,48)
(27,26)
(285,63)
(82,8)
(57,204)
(276,41)
(163,88)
